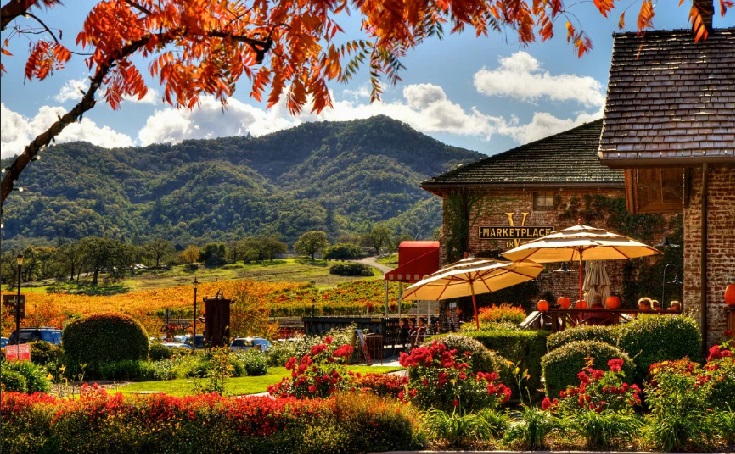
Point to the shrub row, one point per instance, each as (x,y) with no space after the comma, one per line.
(644,341)
(98,422)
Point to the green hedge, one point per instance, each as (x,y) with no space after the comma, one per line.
(351,269)
(607,334)
(653,338)
(523,348)
(561,366)
(103,338)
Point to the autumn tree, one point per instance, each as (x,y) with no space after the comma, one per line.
(190,255)
(311,242)
(287,48)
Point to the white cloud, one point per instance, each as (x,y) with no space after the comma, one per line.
(520,76)
(18,131)
(542,125)
(73,91)
(209,120)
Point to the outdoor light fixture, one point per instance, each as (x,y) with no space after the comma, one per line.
(564,268)
(195,309)
(664,282)
(665,243)
(19,261)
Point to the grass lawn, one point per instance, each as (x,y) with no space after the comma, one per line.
(281,270)
(236,386)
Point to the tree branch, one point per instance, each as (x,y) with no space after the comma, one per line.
(87,103)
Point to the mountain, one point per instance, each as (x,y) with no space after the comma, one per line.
(340,177)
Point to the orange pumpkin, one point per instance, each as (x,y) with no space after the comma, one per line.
(580,304)
(730,295)
(612,302)
(564,302)
(542,305)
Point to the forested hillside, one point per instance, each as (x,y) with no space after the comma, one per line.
(340,177)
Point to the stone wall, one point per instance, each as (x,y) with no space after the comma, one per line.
(720,245)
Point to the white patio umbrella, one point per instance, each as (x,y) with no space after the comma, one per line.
(580,243)
(471,276)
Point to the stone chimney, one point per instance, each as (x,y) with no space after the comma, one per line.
(706,10)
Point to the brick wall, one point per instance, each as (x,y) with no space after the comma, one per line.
(720,254)
(493,211)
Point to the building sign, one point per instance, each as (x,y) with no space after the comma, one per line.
(20,352)
(514,234)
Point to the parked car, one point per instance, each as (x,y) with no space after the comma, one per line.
(47,334)
(195,343)
(177,345)
(246,343)
(3,342)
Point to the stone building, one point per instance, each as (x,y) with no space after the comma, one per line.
(670,124)
(493,204)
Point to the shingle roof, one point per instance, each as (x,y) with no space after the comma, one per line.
(670,97)
(567,158)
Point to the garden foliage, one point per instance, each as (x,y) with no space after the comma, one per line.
(523,348)
(561,366)
(207,423)
(444,379)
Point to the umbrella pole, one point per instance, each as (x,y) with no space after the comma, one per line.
(580,277)
(474,306)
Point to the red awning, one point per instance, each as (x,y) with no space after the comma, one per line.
(416,259)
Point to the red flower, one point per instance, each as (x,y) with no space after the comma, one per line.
(615,364)
(546,403)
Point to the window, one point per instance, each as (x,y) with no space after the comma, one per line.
(654,190)
(543,200)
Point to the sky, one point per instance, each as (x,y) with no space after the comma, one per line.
(486,94)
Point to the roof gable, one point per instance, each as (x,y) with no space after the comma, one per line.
(569,157)
(670,97)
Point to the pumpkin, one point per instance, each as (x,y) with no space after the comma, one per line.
(730,295)
(580,304)
(564,302)
(612,302)
(542,305)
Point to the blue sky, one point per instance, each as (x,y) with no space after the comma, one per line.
(486,94)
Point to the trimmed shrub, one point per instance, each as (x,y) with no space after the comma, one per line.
(523,349)
(482,358)
(343,251)
(35,376)
(561,366)
(607,334)
(103,338)
(654,338)
(158,351)
(44,353)
(351,269)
